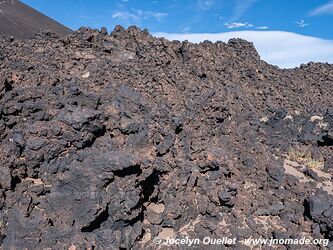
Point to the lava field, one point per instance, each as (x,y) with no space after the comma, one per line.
(108,141)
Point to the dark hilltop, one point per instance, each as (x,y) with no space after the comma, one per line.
(21,21)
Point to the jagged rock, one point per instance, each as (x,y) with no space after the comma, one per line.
(110,140)
(320,209)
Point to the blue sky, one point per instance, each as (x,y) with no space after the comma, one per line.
(310,18)
(194,16)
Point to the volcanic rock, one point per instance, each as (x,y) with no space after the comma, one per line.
(21,21)
(108,141)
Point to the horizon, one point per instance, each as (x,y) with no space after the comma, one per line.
(304,24)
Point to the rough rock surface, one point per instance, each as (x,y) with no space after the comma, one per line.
(108,141)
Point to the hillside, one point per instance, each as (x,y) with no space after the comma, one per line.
(21,21)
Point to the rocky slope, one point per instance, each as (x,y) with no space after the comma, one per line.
(21,21)
(108,141)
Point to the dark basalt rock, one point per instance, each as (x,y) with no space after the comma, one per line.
(319,208)
(108,141)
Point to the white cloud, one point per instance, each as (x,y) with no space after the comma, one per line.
(238,25)
(135,16)
(241,7)
(302,24)
(158,16)
(126,16)
(323,9)
(186,29)
(262,28)
(205,4)
(281,48)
